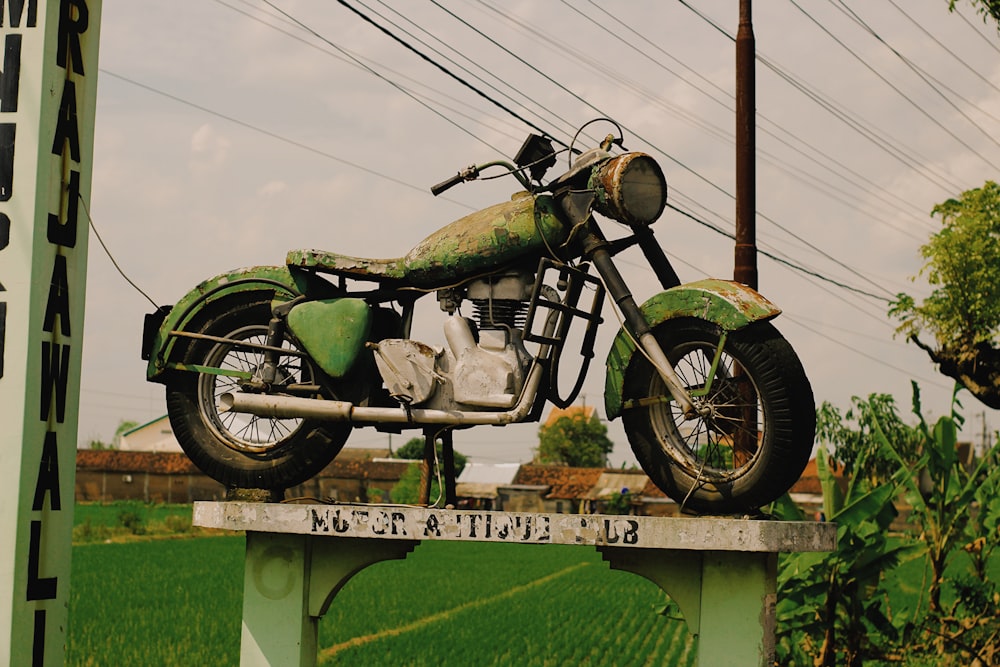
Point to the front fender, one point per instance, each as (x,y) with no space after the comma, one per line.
(728,304)
(158,343)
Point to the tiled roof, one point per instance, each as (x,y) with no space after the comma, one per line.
(809,482)
(565,482)
(611,482)
(114,460)
(573,412)
(360,469)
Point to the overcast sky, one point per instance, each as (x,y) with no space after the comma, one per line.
(228,132)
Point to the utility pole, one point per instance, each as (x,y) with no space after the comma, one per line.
(745,270)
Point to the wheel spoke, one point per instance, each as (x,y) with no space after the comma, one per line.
(243,432)
(716,442)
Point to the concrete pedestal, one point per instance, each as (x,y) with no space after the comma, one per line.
(720,571)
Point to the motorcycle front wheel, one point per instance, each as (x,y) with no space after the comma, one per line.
(244,450)
(757,419)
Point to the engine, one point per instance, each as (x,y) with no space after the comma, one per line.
(484,364)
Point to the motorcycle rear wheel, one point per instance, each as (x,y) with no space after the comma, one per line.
(756,434)
(242,450)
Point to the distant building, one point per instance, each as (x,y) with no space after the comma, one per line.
(478,485)
(153,436)
(153,477)
(572,411)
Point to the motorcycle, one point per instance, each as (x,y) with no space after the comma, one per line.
(268,369)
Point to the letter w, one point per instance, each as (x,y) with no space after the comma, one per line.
(16,9)
(55,375)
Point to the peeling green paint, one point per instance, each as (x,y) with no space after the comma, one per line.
(332,331)
(479,242)
(730,305)
(286,284)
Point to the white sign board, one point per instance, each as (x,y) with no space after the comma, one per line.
(48,85)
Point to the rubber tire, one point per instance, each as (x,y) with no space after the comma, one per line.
(291,461)
(785,399)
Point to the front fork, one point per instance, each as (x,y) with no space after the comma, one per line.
(636,324)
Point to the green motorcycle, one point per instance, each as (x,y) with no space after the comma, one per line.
(268,369)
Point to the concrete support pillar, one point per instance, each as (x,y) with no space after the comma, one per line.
(721,572)
(289,582)
(727,598)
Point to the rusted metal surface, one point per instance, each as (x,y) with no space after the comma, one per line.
(728,304)
(481,241)
(485,240)
(631,174)
(331,262)
(286,407)
(745,269)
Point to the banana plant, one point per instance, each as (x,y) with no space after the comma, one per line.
(830,607)
(956,511)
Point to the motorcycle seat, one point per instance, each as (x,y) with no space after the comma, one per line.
(345,265)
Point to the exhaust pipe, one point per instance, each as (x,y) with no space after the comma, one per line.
(294,407)
(285,407)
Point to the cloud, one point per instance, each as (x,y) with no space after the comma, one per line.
(209,149)
(272,188)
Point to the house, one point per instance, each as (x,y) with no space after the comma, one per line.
(153,436)
(355,475)
(563,489)
(153,477)
(572,411)
(478,485)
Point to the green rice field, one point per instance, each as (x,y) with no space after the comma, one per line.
(178,602)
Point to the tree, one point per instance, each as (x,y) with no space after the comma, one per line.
(962,312)
(407,490)
(988,8)
(124,426)
(577,438)
(414,450)
(853,435)
(833,608)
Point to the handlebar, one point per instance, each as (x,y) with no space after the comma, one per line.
(468,174)
(471,173)
(447,185)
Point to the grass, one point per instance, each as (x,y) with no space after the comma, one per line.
(179,602)
(128,520)
(136,600)
(165,602)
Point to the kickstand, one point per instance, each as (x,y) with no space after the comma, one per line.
(446,467)
(448,454)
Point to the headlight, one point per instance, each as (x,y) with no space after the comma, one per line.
(631,188)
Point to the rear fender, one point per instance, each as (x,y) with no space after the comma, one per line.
(160,348)
(728,304)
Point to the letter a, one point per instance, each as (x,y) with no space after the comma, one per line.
(48,476)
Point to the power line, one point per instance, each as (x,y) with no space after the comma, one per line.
(273,135)
(877,137)
(932,82)
(780,260)
(378,74)
(440,67)
(947,50)
(354,60)
(919,108)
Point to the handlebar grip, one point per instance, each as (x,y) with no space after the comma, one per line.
(448,184)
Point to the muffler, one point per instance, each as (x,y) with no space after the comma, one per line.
(295,407)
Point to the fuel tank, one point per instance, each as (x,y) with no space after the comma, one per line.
(491,238)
